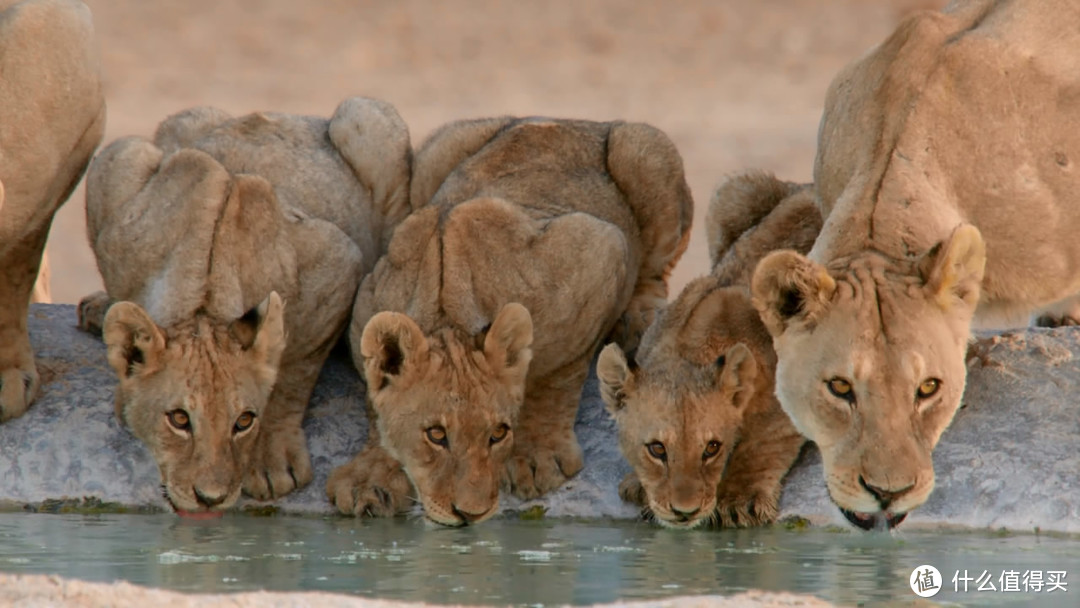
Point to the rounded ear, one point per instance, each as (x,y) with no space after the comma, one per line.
(135,343)
(738,371)
(508,343)
(953,269)
(392,347)
(615,376)
(261,331)
(787,288)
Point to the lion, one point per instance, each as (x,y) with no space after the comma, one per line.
(945,171)
(52,118)
(233,248)
(696,414)
(534,239)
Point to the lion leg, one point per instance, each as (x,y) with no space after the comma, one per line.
(546,451)
(91,312)
(19,378)
(280,462)
(749,494)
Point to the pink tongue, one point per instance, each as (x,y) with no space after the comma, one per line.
(199,514)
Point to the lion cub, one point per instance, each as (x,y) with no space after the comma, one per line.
(535,240)
(696,415)
(236,246)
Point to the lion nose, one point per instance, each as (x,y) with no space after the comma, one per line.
(684,514)
(466,516)
(209,499)
(883,496)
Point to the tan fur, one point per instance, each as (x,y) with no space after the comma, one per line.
(234,247)
(705,372)
(534,240)
(946,172)
(52,117)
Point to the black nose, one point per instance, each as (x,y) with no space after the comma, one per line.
(209,500)
(883,496)
(684,515)
(466,516)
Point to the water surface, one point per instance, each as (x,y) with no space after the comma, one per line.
(522,562)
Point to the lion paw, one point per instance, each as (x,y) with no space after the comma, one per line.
(743,509)
(372,485)
(532,472)
(91,312)
(279,465)
(18,387)
(631,490)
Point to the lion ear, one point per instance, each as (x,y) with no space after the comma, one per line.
(953,269)
(261,331)
(135,343)
(738,370)
(615,376)
(392,347)
(508,343)
(788,287)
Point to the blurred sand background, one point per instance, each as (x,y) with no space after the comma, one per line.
(737,84)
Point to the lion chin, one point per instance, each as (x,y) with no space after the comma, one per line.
(881,520)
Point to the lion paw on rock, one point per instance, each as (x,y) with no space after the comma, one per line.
(746,507)
(279,465)
(531,473)
(372,485)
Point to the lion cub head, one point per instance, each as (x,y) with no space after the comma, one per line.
(871,364)
(447,404)
(679,412)
(194,393)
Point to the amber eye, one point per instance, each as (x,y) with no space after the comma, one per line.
(711,449)
(180,420)
(499,434)
(437,435)
(842,389)
(657,450)
(244,422)
(928,388)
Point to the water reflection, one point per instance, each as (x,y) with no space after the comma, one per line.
(519,562)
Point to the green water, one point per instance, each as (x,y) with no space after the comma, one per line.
(520,562)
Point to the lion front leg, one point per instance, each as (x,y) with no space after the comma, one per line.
(546,451)
(19,378)
(372,484)
(749,494)
(280,462)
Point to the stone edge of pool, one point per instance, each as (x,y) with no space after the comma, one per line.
(1011,458)
(42,590)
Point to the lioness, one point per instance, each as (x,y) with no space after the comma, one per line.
(946,172)
(236,246)
(535,239)
(696,414)
(52,117)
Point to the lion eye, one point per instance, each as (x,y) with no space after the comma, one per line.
(437,435)
(499,434)
(842,389)
(711,449)
(244,422)
(180,420)
(928,388)
(657,450)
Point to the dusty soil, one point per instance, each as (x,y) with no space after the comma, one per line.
(736,84)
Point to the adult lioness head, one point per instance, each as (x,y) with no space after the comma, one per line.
(871,364)
(194,393)
(680,412)
(447,404)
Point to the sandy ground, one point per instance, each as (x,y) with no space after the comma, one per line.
(736,84)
